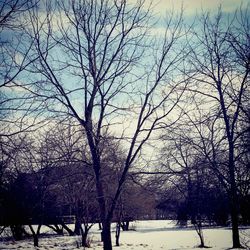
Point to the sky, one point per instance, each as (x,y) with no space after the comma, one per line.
(191,7)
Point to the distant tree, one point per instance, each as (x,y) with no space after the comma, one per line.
(193,189)
(22,206)
(64,156)
(135,203)
(15,159)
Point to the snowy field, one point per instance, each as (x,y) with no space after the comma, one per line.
(147,235)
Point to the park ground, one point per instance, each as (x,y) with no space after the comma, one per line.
(147,235)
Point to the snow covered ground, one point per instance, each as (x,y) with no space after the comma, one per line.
(147,235)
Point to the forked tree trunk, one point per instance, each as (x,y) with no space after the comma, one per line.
(84,234)
(35,234)
(198,228)
(125,225)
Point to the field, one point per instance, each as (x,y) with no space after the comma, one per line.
(147,235)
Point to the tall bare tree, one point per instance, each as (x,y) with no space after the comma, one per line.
(220,60)
(100,63)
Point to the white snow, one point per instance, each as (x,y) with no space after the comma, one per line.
(147,235)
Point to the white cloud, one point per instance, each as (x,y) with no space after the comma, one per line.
(191,7)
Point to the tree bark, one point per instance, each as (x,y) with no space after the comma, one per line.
(105,218)
(106,236)
(125,225)
(35,234)
(78,226)
(35,240)
(17,231)
(70,232)
(234,201)
(84,234)
(198,227)
(117,233)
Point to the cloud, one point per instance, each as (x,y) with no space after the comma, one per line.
(191,7)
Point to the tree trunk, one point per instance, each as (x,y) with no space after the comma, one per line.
(235,228)
(106,236)
(117,233)
(233,188)
(234,200)
(35,240)
(70,232)
(78,226)
(2,229)
(35,234)
(125,225)
(17,232)
(84,234)
(84,240)
(198,228)
(56,228)
(234,218)
(105,218)
(200,233)
(202,241)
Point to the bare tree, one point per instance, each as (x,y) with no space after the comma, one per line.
(191,175)
(16,115)
(220,61)
(95,62)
